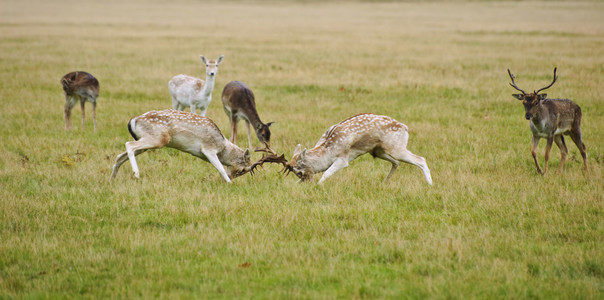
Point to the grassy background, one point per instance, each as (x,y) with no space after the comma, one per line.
(489,227)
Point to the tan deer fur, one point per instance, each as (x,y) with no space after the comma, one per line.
(187,132)
(381,136)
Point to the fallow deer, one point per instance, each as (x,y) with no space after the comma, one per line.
(79,86)
(239,103)
(187,132)
(189,91)
(381,136)
(551,119)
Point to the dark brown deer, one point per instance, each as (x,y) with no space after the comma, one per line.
(79,86)
(551,119)
(239,103)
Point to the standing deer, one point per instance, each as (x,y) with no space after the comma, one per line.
(239,103)
(187,132)
(188,91)
(550,119)
(79,86)
(381,136)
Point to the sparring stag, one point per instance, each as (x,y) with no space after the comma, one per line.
(551,119)
(381,136)
(187,132)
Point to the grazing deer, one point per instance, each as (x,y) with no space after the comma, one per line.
(239,103)
(550,119)
(188,91)
(79,86)
(187,132)
(381,136)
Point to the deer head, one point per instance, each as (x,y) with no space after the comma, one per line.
(211,65)
(531,101)
(299,166)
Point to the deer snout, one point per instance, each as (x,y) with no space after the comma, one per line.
(528,116)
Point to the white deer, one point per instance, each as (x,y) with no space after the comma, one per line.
(187,132)
(189,91)
(381,136)
(83,87)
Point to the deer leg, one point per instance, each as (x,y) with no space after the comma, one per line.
(407,157)
(534,153)
(94,114)
(69,104)
(83,106)
(234,129)
(249,134)
(193,108)
(559,139)
(136,147)
(213,158)
(338,164)
(548,147)
(575,135)
(122,158)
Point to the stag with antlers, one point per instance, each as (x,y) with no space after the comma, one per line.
(381,136)
(187,132)
(551,119)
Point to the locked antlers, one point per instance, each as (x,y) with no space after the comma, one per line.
(271,157)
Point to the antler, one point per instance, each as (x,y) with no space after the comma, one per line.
(271,158)
(547,87)
(513,84)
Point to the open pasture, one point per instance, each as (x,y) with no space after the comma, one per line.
(489,227)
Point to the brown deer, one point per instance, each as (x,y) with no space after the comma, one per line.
(187,132)
(381,136)
(239,103)
(79,86)
(551,119)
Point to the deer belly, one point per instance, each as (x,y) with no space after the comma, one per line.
(186,145)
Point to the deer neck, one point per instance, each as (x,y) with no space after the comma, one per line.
(319,158)
(208,87)
(230,153)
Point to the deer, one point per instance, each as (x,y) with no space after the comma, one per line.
(381,136)
(239,103)
(189,91)
(190,133)
(83,87)
(551,119)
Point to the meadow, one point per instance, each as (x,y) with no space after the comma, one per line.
(489,228)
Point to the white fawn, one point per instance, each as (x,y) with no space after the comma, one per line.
(551,119)
(79,86)
(188,91)
(239,103)
(187,132)
(381,136)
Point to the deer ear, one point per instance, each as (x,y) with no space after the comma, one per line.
(219,60)
(518,96)
(542,97)
(298,149)
(269,124)
(303,155)
(203,59)
(246,155)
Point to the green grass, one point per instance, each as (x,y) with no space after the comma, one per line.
(489,227)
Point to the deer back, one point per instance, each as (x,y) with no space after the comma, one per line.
(80,82)
(184,131)
(357,135)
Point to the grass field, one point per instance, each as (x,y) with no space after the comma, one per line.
(490,227)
